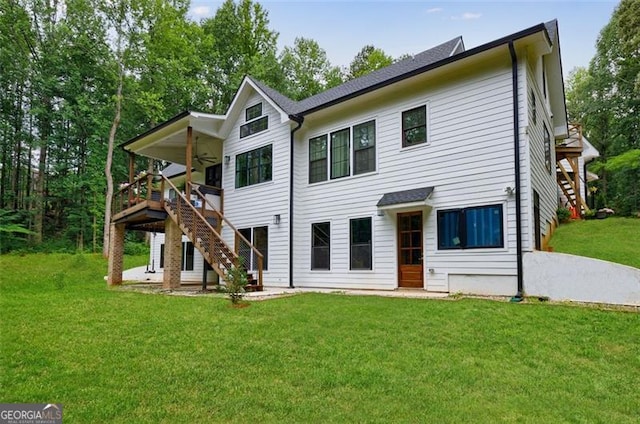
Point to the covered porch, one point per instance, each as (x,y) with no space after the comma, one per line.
(189,200)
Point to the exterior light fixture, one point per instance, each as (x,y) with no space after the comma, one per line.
(227,159)
(276,219)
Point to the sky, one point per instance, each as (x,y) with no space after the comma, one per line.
(342,28)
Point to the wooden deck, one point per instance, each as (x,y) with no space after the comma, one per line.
(146,215)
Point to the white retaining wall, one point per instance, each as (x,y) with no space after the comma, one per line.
(560,276)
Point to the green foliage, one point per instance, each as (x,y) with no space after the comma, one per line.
(119,356)
(563,214)
(613,239)
(605,98)
(13,233)
(235,282)
(367,60)
(307,69)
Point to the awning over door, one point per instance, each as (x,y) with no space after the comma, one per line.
(417,197)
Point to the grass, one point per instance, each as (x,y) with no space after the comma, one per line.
(120,356)
(613,239)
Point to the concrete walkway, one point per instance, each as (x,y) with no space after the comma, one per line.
(142,280)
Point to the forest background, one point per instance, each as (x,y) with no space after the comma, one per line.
(79,77)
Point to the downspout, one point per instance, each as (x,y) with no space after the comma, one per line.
(516,144)
(299,120)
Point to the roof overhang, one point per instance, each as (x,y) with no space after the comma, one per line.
(167,141)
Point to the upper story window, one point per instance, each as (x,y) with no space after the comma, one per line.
(318,159)
(544,79)
(414,126)
(254,167)
(330,155)
(364,147)
(471,228)
(340,149)
(255,122)
(547,148)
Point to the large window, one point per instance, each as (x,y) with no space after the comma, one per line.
(259,237)
(547,148)
(254,167)
(330,155)
(318,159)
(414,126)
(340,148)
(255,121)
(320,245)
(470,228)
(360,243)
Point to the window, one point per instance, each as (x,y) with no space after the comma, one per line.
(360,243)
(320,245)
(255,121)
(414,126)
(259,237)
(254,167)
(547,148)
(364,147)
(186,262)
(470,228)
(544,79)
(318,159)
(335,159)
(253,112)
(340,146)
(534,112)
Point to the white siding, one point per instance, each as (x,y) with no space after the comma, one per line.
(468,159)
(542,180)
(157,239)
(255,205)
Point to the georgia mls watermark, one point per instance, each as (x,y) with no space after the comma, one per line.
(30,413)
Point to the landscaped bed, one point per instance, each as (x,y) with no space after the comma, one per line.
(113,355)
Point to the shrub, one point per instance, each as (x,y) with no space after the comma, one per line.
(235,282)
(563,214)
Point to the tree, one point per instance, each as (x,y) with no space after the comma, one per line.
(237,41)
(307,69)
(368,60)
(606,99)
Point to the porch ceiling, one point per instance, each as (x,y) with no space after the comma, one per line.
(168,141)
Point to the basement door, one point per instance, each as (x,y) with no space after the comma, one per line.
(410,270)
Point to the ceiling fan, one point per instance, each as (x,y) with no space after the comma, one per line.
(203,158)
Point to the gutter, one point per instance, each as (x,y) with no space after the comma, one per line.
(299,120)
(516,158)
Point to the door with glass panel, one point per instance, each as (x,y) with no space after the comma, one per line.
(410,256)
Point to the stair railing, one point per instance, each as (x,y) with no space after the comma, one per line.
(202,233)
(238,236)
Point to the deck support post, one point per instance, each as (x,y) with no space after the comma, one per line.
(116,253)
(172,255)
(189,163)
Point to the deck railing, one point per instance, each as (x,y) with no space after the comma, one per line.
(144,187)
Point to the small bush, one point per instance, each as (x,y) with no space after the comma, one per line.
(563,214)
(235,282)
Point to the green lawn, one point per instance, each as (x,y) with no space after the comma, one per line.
(611,239)
(121,356)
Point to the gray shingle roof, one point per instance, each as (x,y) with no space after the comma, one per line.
(405,196)
(365,82)
(404,68)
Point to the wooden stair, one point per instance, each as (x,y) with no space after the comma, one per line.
(569,181)
(204,233)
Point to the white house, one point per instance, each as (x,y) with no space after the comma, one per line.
(437,172)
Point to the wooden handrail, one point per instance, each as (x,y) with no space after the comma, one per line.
(133,193)
(238,235)
(199,214)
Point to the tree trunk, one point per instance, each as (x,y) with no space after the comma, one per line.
(107,168)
